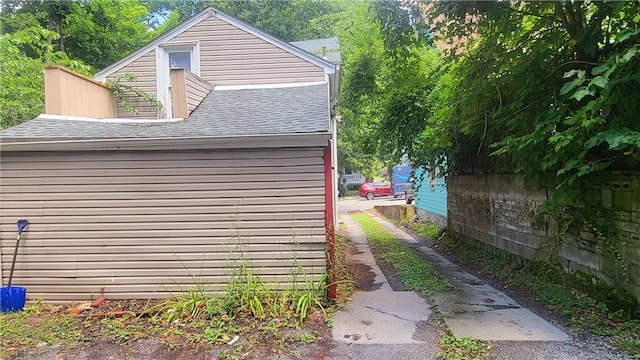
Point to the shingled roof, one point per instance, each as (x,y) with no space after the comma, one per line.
(302,109)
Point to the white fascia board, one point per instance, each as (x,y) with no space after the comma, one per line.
(266,86)
(196,19)
(177,143)
(109,120)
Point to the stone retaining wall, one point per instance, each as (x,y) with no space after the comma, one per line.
(497,212)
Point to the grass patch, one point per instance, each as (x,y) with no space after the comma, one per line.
(583,313)
(416,273)
(37,325)
(464,348)
(425,229)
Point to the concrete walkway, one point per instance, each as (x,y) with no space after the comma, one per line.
(474,309)
(387,324)
(477,310)
(381,316)
(382,323)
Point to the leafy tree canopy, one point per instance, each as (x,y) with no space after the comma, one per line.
(536,87)
(288,20)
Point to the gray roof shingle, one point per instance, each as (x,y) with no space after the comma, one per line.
(263,111)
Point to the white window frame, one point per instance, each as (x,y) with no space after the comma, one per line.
(163,67)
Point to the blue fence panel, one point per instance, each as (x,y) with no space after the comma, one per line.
(430,196)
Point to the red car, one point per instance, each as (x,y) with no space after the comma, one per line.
(370,190)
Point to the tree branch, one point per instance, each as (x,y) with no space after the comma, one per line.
(575,62)
(560,12)
(524,12)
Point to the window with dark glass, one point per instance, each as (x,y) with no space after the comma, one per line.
(180,59)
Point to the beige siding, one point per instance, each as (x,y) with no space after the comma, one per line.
(178,89)
(142,224)
(145,71)
(197,90)
(229,55)
(69,93)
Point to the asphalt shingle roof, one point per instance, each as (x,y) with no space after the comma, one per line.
(264,111)
(315,46)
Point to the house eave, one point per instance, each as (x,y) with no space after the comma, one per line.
(169,143)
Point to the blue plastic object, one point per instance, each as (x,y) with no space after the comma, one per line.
(12,298)
(22,224)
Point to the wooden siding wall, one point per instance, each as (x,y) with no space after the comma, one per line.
(69,93)
(431,196)
(145,71)
(197,90)
(178,93)
(230,56)
(141,224)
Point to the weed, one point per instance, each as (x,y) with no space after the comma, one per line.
(463,348)
(38,323)
(125,331)
(425,229)
(248,291)
(233,353)
(189,304)
(339,271)
(416,273)
(583,312)
(306,338)
(311,295)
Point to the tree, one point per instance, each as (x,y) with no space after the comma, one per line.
(389,67)
(96,32)
(407,80)
(100,32)
(547,86)
(360,96)
(287,20)
(21,76)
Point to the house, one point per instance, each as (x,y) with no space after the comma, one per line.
(235,168)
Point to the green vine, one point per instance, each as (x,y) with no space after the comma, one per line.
(121,91)
(580,215)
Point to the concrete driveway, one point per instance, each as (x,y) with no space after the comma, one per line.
(384,324)
(362,204)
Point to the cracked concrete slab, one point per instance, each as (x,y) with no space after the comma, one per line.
(380,316)
(505,324)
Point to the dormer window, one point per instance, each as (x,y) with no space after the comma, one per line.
(185,55)
(181,55)
(180,59)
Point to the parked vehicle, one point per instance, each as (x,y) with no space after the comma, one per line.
(409,192)
(371,190)
(400,175)
(351,179)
